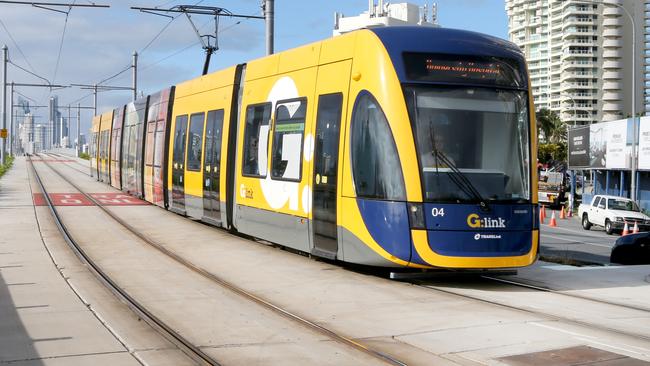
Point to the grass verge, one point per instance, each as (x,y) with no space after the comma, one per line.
(5,167)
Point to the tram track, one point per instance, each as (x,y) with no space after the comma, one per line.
(174,337)
(482,299)
(331,334)
(69,165)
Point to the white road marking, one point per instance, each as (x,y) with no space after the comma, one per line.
(614,347)
(577,242)
(581,232)
(590,339)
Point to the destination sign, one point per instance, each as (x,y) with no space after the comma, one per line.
(461,69)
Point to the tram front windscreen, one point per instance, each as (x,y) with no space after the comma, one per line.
(475,134)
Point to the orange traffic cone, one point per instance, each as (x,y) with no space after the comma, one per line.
(542,213)
(562,213)
(569,213)
(636,228)
(626,230)
(553,223)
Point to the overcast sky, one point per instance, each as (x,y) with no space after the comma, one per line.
(98,43)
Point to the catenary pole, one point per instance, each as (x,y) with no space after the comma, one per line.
(12,135)
(135,75)
(78,129)
(5,58)
(95,100)
(269,15)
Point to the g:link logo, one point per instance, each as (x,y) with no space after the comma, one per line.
(475,222)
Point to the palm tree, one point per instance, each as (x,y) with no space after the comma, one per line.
(551,126)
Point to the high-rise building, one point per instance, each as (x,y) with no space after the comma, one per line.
(55,123)
(385,14)
(580,55)
(64,132)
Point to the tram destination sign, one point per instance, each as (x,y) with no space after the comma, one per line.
(462,69)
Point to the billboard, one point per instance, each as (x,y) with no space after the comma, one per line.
(608,145)
(579,147)
(644,143)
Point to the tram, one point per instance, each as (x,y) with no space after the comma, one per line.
(389,147)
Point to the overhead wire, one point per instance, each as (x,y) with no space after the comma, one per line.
(187,47)
(162,30)
(17,46)
(65,27)
(27,71)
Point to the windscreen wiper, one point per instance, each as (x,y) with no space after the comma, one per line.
(456,176)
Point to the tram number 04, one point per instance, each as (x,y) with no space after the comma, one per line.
(435,212)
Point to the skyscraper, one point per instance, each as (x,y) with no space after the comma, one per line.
(580,56)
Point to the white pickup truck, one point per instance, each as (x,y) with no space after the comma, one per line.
(612,212)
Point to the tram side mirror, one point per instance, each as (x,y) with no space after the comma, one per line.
(631,250)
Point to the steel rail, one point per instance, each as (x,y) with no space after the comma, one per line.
(70,160)
(183,344)
(236,289)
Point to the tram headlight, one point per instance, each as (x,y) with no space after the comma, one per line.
(416,215)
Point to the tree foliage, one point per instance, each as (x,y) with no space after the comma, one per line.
(552,132)
(550,127)
(551,152)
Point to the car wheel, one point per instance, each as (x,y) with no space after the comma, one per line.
(585,222)
(608,227)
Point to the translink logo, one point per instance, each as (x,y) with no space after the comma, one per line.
(475,222)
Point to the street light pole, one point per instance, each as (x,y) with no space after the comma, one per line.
(634,127)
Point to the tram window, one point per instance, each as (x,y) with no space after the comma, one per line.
(213,140)
(179,141)
(288,133)
(159,145)
(197,122)
(375,164)
(256,137)
(149,143)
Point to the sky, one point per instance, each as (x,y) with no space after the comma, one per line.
(92,44)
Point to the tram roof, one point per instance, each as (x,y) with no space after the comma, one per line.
(418,39)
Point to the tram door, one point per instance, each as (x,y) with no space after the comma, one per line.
(178,164)
(326,154)
(212,167)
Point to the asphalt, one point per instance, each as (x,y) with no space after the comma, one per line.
(569,243)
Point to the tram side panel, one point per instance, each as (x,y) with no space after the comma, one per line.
(198,146)
(377,151)
(331,98)
(116,147)
(105,146)
(273,196)
(133,146)
(157,127)
(94,147)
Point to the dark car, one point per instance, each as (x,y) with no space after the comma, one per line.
(631,249)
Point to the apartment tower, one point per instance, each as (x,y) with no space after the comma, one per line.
(580,54)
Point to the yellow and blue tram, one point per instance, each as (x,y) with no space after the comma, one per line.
(391,147)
